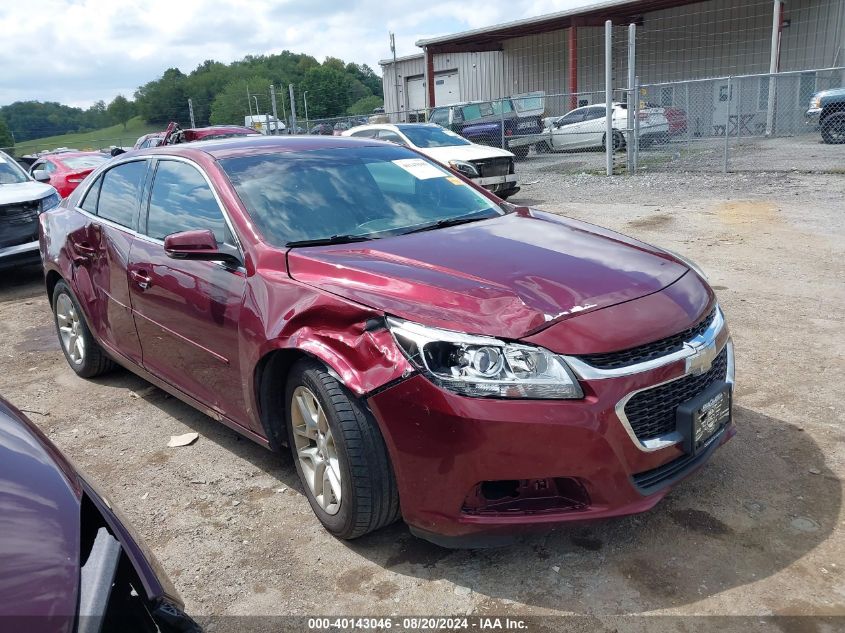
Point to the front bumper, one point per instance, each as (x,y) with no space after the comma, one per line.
(498,184)
(19,255)
(812,117)
(443,446)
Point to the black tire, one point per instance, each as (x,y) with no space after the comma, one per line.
(369,496)
(833,128)
(618,141)
(93,361)
(521,151)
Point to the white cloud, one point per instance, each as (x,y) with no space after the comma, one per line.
(79,51)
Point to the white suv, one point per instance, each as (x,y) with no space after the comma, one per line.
(22,199)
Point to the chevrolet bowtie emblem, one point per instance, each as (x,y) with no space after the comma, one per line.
(702,357)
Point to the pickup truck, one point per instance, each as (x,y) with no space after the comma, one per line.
(482,122)
(827,113)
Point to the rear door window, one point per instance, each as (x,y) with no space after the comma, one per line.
(181,200)
(120,193)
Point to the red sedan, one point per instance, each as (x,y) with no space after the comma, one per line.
(421,347)
(66,170)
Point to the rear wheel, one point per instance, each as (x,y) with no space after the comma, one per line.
(340,455)
(833,129)
(83,353)
(521,151)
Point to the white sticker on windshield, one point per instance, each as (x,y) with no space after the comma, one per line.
(420,169)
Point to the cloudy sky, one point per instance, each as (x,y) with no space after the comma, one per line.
(80,51)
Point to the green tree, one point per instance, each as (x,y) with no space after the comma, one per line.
(6,139)
(330,91)
(231,105)
(121,110)
(164,100)
(366,105)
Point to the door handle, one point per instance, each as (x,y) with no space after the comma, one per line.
(141,278)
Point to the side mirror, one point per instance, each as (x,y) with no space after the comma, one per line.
(41,175)
(197,245)
(117,151)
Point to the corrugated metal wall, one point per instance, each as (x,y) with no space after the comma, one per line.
(709,39)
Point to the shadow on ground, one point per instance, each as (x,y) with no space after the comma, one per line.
(755,509)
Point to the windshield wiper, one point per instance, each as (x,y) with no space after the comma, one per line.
(442,224)
(334,239)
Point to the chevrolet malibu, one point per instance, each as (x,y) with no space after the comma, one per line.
(423,349)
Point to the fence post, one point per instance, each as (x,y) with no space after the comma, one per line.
(191,112)
(273,106)
(293,109)
(608,95)
(687,110)
(502,121)
(632,70)
(728,122)
(636,124)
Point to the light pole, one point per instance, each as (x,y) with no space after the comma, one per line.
(305,101)
(257,111)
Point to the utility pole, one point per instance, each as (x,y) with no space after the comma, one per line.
(248,100)
(273,105)
(774,59)
(293,109)
(395,75)
(191,112)
(305,101)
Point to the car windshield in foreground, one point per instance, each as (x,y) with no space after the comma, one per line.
(84,162)
(10,172)
(426,136)
(344,195)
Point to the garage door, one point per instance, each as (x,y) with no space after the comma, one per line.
(446,88)
(416,94)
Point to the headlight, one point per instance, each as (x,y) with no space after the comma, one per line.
(688,262)
(484,367)
(815,103)
(467,169)
(50,201)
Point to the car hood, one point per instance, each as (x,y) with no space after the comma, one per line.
(508,276)
(463,152)
(24,191)
(39,527)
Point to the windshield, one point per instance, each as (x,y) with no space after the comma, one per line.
(362,191)
(10,171)
(83,162)
(432,136)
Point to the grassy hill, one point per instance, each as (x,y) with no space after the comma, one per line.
(114,135)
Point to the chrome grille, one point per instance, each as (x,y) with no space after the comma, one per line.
(651,413)
(494,166)
(19,223)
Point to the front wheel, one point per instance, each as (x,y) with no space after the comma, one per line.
(618,141)
(833,129)
(520,152)
(340,455)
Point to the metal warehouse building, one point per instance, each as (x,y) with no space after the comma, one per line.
(563,53)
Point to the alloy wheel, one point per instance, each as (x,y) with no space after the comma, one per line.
(316,449)
(70,329)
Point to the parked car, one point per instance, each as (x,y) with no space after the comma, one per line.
(422,347)
(481,121)
(68,561)
(66,170)
(584,128)
(490,167)
(174,134)
(22,199)
(149,140)
(340,127)
(827,112)
(322,129)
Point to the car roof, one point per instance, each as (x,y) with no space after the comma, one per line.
(258,144)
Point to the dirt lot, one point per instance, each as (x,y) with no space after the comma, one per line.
(759,531)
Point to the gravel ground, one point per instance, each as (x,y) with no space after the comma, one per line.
(757,532)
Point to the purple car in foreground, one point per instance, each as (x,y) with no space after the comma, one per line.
(68,564)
